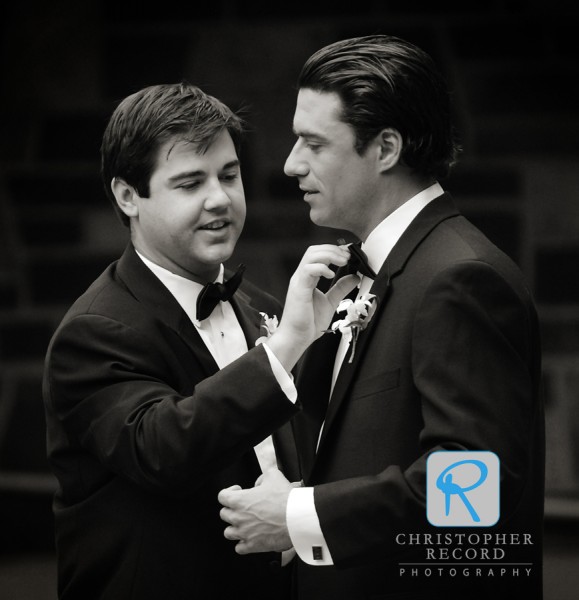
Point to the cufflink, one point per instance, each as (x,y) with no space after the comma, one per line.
(317,553)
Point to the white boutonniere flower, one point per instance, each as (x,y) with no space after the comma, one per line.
(269,324)
(358,315)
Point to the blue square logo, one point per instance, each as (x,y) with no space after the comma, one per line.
(463,489)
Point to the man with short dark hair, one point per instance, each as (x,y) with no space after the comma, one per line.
(156,395)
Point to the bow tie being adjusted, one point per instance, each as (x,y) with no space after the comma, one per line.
(213,293)
(358,262)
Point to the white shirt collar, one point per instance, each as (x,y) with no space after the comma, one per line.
(184,290)
(385,235)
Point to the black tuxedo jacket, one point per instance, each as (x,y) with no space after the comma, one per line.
(450,360)
(143,432)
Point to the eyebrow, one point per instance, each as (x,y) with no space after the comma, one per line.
(309,135)
(200,172)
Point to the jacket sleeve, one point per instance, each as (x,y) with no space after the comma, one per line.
(107,386)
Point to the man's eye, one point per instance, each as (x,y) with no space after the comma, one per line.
(190,185)
(230,177)
(313,147)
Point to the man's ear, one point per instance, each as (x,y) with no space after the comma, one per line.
(390,148)
(126,196)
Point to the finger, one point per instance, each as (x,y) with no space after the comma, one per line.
(326,254)
(224,497)
(312,272)
(228,515)
(230,533)
(242,547)
(341,288)
(323,248)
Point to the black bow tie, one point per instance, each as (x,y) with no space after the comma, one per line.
(358,262)
(214,292)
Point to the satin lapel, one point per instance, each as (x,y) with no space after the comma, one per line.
(434,213)
(313,380)
(147,288)
(249,318)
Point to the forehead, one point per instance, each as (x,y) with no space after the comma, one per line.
(177,150)
(317,112)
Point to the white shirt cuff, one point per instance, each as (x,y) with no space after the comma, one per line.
(284,380)
(304,528)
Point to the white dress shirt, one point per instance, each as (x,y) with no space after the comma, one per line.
(224,338)
(302,519)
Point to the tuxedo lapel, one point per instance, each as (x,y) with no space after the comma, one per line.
(249,318)
(143,284)
(348,369)
(313,380)
(433,214)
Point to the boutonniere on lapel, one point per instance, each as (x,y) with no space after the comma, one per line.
(269,324)
(358,315)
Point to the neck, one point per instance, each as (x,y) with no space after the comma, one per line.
(395,192)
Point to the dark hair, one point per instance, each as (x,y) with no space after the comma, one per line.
(383,82)
(144,121)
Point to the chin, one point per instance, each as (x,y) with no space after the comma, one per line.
(218,251)
(322,221)
(219,257)
(317,218)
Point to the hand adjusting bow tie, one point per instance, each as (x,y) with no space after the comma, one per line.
(214,292)
(358,262)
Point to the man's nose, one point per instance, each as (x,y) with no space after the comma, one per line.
(217,197)
(294,165)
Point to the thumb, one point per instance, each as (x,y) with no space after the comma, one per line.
(341,289)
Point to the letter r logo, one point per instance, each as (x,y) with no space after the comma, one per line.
(462,489)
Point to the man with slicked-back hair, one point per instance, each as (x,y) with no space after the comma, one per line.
(439,355)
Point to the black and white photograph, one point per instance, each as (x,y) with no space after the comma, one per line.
(289,304)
